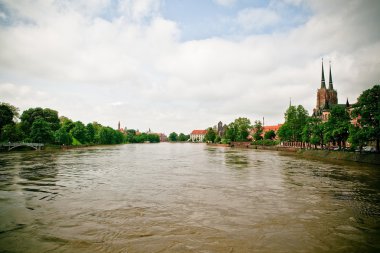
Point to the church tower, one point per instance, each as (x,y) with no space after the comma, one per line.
(326,97)
(333,95)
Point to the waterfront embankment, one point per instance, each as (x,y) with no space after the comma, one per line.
(371,158)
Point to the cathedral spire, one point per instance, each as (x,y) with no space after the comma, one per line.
(323,84)
(331,87)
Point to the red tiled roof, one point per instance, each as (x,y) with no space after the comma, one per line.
(274,128)
(199,132)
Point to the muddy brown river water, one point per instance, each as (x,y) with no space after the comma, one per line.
(185,198)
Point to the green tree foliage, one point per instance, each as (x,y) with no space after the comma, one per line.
(107,135)
(238,130)
(66,123)
(12,133)
(358,137)
(183,137)
(368,110)
(173,136)
(210,135)
(6,117)
(48,115)
(90,133)
(258,130)
(41,131)
(79,132)
(295,120)
(337,126)
(62,137)
(270,135)
(313,132)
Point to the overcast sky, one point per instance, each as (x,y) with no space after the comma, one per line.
(179,65)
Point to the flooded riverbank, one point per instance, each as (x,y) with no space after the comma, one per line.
(185,198)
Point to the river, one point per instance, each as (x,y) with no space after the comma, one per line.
(185,198)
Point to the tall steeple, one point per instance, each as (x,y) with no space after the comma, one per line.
(323,84)
(331,87)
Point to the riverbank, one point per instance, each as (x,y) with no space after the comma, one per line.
(372,158)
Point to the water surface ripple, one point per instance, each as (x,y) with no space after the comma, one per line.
(185,198)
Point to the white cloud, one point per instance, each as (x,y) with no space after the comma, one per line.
(225,2)
(257,19)
(137,10)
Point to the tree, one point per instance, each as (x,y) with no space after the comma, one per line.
(90,133)
(66,123)
(62,137)
(48,115)
(269,135)
(295,120)
(12,133)
(153,138)
(173,136)
(315,130)
(41,131)
(106,136)
(358,136)
(210,135)
(14,110)
(238,130)
(183,137)
(258,130)
(337,126)
(79,132)
(6,117)
(367,109)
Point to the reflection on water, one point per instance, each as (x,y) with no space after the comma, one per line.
(185,198)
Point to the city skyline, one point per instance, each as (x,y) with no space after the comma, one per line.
(182,65)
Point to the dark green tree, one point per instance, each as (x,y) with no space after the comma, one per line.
(173,136)
(182,137)
(48,115)
(41,131)
(238,130)
(258,130)
(79,132)
(90,133)
(270,135)
(337,126)
(210,135)
(106,136)
(12,133)
(6,117)
(295,120)
(367,109)
(358,136)
(62,137)
(66,123)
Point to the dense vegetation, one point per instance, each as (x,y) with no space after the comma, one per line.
(338,129)
(44,126)
(174,137)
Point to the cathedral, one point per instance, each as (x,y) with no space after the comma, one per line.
(326,97)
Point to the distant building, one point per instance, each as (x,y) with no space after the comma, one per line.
(122,130)
(198,135)
(327,98)
(163,137)
(274,128)
(221,129)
